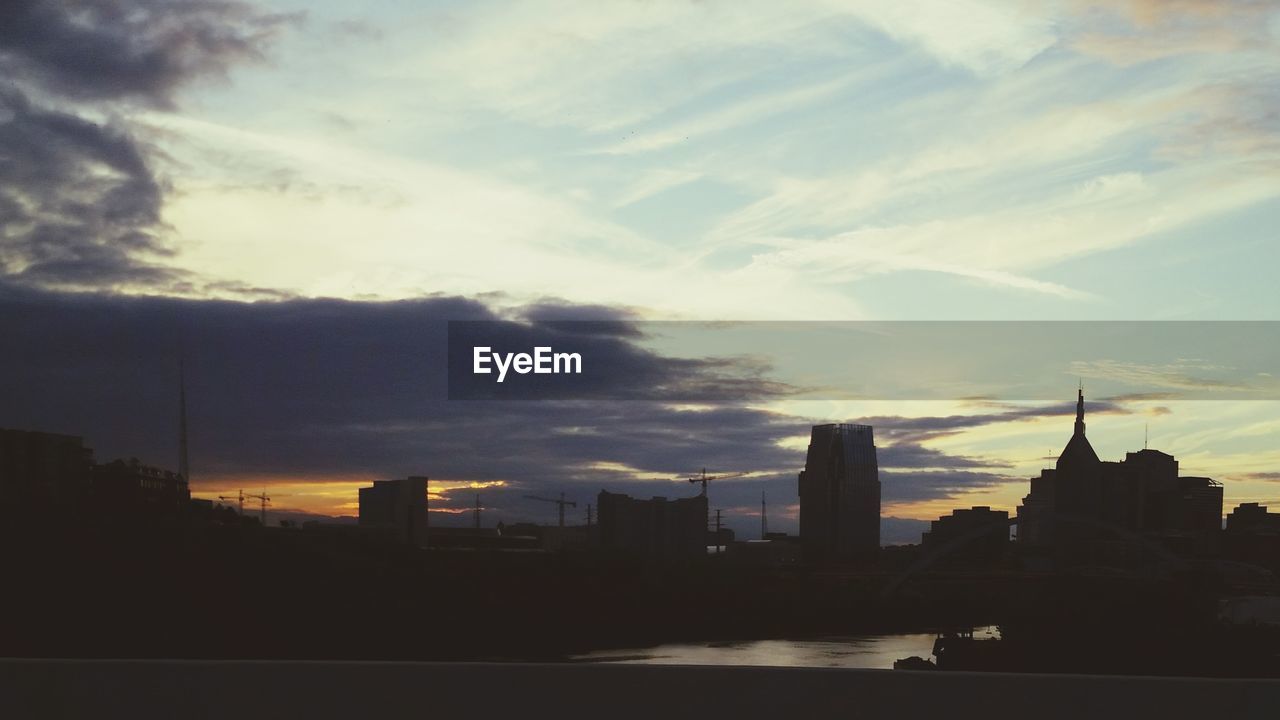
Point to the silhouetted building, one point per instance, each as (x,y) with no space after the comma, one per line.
(840,494)
(897,558)
(551,538)
(1089,511)
(980,534)
(474,538)
(775,550)
(568,538)
(397,505)
(43,467)
(1252,518)
(654,529)
(1252,535)
(721,537)
(129,485)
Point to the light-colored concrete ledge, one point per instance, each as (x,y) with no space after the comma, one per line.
(359,690)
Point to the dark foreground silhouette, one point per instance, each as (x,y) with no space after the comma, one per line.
(170,587)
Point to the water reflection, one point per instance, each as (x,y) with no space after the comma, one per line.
(875,652)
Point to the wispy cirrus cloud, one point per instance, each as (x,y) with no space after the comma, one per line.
(1144,30)
(561,63)
(767,162)
(934,208)
(752,109)
(1181,374)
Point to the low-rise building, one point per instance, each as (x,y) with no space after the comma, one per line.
(132,486)
(974,535)
(654,529)
(399,506)
(1252,536)
(43,467)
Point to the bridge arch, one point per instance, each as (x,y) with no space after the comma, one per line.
(949,548)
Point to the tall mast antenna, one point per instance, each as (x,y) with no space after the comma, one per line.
(184,468)
(764,518)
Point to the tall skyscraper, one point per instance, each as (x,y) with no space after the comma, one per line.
(840,493)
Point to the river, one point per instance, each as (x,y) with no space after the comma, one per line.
(878,651)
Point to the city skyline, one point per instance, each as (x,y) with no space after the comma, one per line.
(742,516)
(897,529)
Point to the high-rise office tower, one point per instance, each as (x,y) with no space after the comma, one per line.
(840,494)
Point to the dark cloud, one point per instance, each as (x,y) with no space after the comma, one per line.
(590,319)
(901,531)
(898,429)
(913,455)
(1144,397)
(81,206)
(135,49)
(328,387)
(912,472)
(899,486)
(80,202)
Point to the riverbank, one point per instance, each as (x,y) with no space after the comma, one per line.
(860,652)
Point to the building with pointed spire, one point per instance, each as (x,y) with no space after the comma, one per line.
(1086,510)
(1078,453)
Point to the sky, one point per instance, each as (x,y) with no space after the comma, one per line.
(269,179)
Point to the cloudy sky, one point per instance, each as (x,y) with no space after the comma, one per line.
(377,169)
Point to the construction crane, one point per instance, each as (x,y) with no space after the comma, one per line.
(263,500)
(561,502)
(704,478)
(239,501)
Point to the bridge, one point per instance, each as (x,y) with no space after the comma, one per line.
(942,552)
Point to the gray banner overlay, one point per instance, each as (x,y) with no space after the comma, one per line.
(737,361)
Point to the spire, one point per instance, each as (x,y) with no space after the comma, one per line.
(1080,411)
(1078,452)
(764,518)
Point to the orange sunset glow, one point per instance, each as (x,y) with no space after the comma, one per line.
(335,496)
